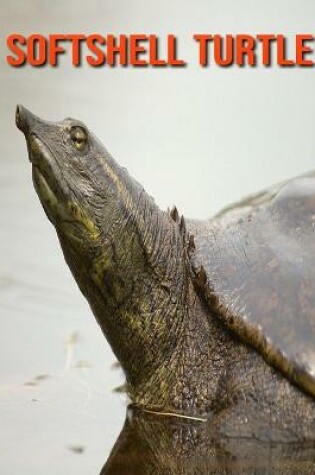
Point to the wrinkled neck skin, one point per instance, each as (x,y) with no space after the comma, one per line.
(137,280)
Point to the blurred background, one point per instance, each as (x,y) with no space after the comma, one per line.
(195,137)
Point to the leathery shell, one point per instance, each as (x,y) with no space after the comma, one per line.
(259,260)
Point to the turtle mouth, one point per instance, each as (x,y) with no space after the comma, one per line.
(49,183)
(41,158)
(54,192)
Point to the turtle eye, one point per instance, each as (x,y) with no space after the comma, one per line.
(79,138)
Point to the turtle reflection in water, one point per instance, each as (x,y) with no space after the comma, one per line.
(213,320)
(151,445)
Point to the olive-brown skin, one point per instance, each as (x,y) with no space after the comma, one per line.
(133,263)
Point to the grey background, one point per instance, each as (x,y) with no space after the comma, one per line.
(199,138)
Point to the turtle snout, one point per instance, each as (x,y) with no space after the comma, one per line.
(21,118)
(25,120)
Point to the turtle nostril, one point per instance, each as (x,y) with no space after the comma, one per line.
(22,118)
(25,120)
(18,117)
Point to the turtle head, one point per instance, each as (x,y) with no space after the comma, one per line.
(73,178)
(87,196)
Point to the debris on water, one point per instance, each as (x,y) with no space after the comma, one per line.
(37,379)
(76,449)
(82,364)
(71,342)
(73,339)
(116,365)
(42,377)
(120,389)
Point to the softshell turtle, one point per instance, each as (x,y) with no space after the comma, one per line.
(209,319)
